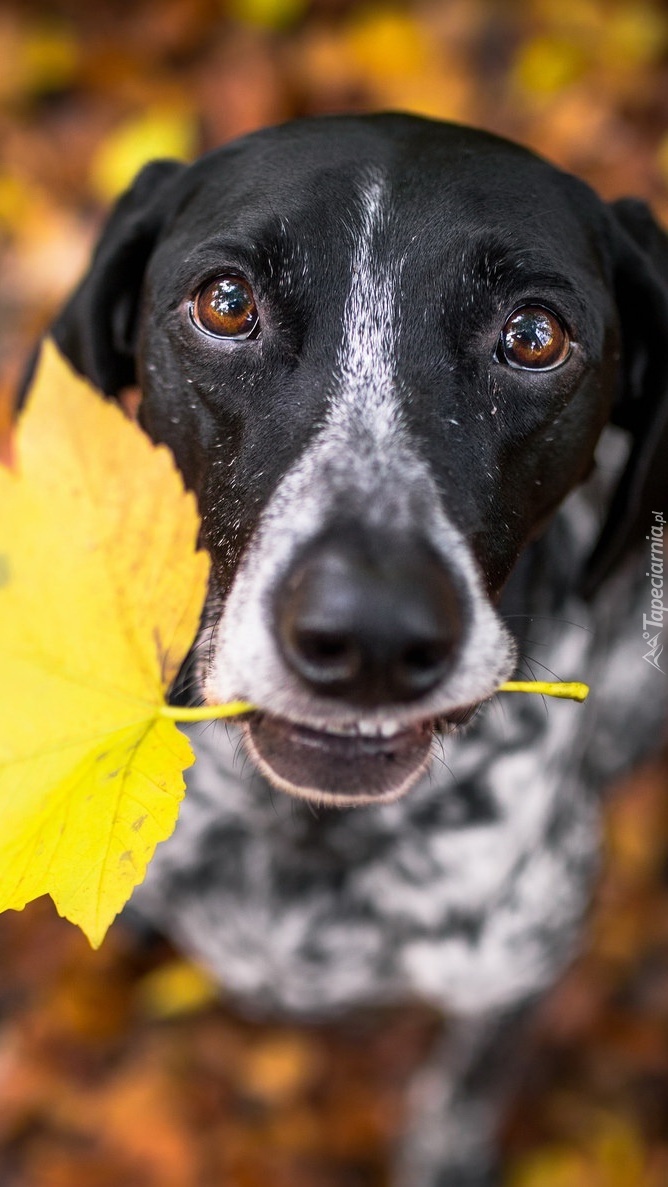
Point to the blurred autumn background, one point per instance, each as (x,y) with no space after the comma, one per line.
(123,1066)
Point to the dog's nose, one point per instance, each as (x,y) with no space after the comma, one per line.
(372,624)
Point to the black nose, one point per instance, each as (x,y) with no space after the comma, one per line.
(373,622)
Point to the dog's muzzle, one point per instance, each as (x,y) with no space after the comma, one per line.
(371,628)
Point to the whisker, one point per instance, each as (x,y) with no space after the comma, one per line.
(272,801)
(237,750)
(539,664)
(527,661)
(550,618)
(439,741)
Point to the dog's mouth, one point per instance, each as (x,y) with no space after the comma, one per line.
(348,765)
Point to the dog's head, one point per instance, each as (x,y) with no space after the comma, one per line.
(382,350)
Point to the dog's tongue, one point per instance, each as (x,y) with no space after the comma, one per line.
(335,768)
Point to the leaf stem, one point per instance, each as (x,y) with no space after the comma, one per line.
(571,691)
(567,690)
(205,712)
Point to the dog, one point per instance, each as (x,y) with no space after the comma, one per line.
(418,379)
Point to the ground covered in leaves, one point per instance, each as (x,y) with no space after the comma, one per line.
(122,1066)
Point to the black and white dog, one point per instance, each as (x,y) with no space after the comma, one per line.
(384,351)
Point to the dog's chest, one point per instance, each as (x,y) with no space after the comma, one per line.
(466,893)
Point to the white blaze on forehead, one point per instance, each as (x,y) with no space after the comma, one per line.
(366,362)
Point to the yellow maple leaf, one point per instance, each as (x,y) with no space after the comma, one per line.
(101,589)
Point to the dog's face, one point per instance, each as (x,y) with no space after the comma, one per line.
(382,351)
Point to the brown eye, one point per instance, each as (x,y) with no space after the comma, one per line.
(226,308)
(533,339)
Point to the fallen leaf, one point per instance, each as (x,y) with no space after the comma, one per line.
(635,35)
(268,14)
(611,1157)
(160,131)
(277,1067)
(548,65)
(385,42)
(176,988)
(49,56)
(100,595)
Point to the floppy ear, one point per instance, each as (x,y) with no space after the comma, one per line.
(96,330)
(640,255)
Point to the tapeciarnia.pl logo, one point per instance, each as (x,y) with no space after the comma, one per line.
(654,619)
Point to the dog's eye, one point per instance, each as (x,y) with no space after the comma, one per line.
(533,339)
(225,308)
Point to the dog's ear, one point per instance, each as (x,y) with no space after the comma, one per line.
(96,330)
(640,260)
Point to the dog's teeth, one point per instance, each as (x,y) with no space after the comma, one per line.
(369,730)
(388,729)
(383,729)
(365,729)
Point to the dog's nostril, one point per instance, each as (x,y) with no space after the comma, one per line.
(422,664)
(329,655)
(373,622)
(423,657)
